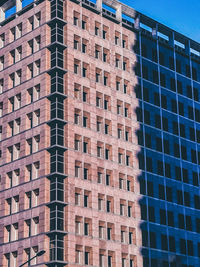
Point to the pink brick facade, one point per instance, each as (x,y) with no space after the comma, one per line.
(109,134)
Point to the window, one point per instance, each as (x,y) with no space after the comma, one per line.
(105,104)
(188,223)
(146,117)
(195,179)
(187,199)
(125,88)
(30,71)
(169,194)
(98,75)
(107,153)
(179,197)
(105,32)
(124,41)
(76,66)
(77,167)
(162,216)
(151,214)
(12,34)
(117,62)
(108,206)
(1,63)
(85,201)
(119,107)
(183,246)
(1,109)
(85,70)
(105,55)
(197,202)
(87,255)
(155,76)
(99,177)
(100,203)
(126,112)
(149,164)
(127,160)
(97,51)
(128,134)
(123,262)
(31,46)
(37,20)
(170,216)
(117,38)
(77,116)
(76,19)
(85,146)
(109,231)
(122,209)
(1,85)
(164,242)
(129,211)
(78,225)
(96,29)
(85,173)
(76,42)
(152,240)
(37,42)
(0,132)
(86,228)
(125,64)
(118,84)
(190,249)
(83,24)
(11,259)
(109,261)
(78,253)
(77,199)
(2,40)
(37,68)
(85,95)
(99,124)
(105,78)
(85,120)
(101,260)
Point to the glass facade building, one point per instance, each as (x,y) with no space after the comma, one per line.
(169,114)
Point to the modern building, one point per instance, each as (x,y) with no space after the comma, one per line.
(100,137)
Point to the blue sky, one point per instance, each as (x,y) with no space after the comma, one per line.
(180,15)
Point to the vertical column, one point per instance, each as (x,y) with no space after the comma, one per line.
(187,47)
(137,22)
(57,146)
(171,39)
(18,5)
(2,14)
(99,4)
(155,31)
(119,13)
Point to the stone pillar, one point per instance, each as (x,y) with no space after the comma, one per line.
(99,4)
(155,31)
(18,5)
(137,23)
(2,15)
(119,13)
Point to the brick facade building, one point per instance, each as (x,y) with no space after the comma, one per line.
(91,101)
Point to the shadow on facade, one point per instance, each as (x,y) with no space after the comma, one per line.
(151,231)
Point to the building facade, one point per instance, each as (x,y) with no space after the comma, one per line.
(100,133)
